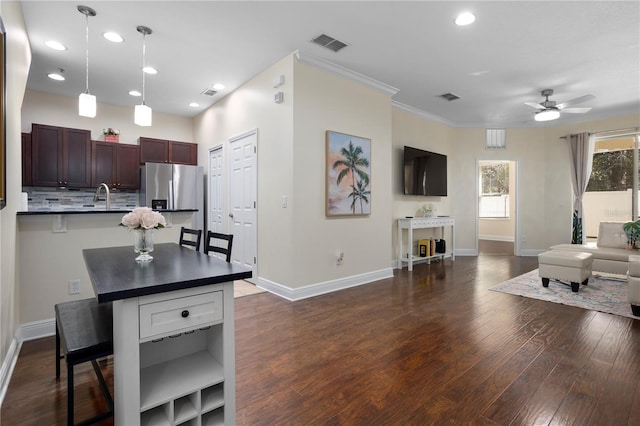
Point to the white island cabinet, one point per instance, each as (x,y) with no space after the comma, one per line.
(174,351)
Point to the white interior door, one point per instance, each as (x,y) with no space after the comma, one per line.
(216,170)
(243,199)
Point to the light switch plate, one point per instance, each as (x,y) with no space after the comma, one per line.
(59,223)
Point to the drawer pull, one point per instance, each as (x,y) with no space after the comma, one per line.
(185,313)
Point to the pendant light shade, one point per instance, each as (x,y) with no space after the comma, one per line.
(547,115)
(87,105)
(143,113)
(86,101)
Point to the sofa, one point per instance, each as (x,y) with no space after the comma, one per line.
(610,252)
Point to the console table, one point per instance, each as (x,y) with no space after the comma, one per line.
(173,334)
(421,223)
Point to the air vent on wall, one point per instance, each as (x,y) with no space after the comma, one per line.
(208,92)
(449,96)
(329,42)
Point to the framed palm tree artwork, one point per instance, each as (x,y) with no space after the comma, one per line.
(348,185)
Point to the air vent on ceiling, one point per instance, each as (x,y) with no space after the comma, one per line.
(329,42)
(208,92)
(449,96)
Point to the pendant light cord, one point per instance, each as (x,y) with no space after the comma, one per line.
(144,55)
(87,54)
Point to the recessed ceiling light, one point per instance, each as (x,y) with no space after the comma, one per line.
(56,76)
(194,104)
(135,93)
(114,37)
(55,45)
(218,86)
(150,70)
(465,18)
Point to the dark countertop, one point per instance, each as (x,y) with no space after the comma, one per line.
(94,211)
(116,275)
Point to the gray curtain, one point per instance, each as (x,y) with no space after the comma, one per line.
(581,147)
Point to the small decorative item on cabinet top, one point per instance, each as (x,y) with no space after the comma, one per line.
(111,135)
(143,220)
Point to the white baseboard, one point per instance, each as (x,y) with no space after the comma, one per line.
(294,294)
(37,329)
(466,252)
(531,252)
(7,366)
(506,239)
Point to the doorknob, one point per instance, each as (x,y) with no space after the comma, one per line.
(231,215)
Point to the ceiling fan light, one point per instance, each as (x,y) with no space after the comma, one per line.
(87,105)
(142,115)
(547,115)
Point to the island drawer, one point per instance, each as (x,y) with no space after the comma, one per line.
(181,314)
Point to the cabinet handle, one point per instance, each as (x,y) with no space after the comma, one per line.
(185,313)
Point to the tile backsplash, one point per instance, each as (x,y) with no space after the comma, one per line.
(46,199)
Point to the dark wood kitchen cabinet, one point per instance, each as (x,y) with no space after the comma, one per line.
(115,164)
(60,156)
(166,151)
(26,159)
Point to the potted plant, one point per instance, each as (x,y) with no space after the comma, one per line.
(111,135)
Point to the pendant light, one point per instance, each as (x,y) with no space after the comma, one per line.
(142,116)
(86,101)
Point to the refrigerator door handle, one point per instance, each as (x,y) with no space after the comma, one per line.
(171,196)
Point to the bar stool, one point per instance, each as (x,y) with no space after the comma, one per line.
(84,332)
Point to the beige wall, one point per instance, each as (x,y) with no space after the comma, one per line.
(324,101)
(48,260)
(18,56)
(55,110)
(252,107)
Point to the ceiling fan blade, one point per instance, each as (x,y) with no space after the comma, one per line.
(534,105)
(576,110)
(575,101)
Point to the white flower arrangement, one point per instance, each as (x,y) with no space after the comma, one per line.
(110,131)
(428,209)
(143,218)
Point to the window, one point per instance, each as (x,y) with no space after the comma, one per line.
(494,189)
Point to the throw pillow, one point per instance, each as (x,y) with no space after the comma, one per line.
(611,234)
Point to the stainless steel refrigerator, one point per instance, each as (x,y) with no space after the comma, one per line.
(173,187)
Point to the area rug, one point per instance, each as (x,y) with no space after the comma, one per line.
(604,293)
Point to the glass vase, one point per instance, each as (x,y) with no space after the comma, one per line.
(143,244)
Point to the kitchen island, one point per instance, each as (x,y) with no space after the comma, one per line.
(173,331)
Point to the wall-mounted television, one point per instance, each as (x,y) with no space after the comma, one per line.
(424,173)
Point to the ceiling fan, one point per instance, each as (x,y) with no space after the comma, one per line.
(548,110)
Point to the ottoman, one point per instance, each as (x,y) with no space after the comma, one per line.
(565,265)
(633,284)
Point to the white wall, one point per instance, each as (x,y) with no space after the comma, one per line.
(55,110)
(18,57)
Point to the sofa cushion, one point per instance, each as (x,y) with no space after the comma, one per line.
(611,234)
(608,253)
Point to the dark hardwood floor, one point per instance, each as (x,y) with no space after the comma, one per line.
(430,347)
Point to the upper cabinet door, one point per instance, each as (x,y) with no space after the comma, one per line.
(154,150)
(127,166)
(103,163)
(183,153)
(26,160)
(76,158)
(46,150)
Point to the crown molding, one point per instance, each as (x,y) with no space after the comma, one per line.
(422,113)
(305,58)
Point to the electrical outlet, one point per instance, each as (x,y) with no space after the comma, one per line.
(74,286)
(523,238)
(339,258)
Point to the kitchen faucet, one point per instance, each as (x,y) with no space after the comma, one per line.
(97,196)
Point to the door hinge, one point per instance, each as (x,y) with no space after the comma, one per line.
(254,260)
(254,204)
(255,149)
